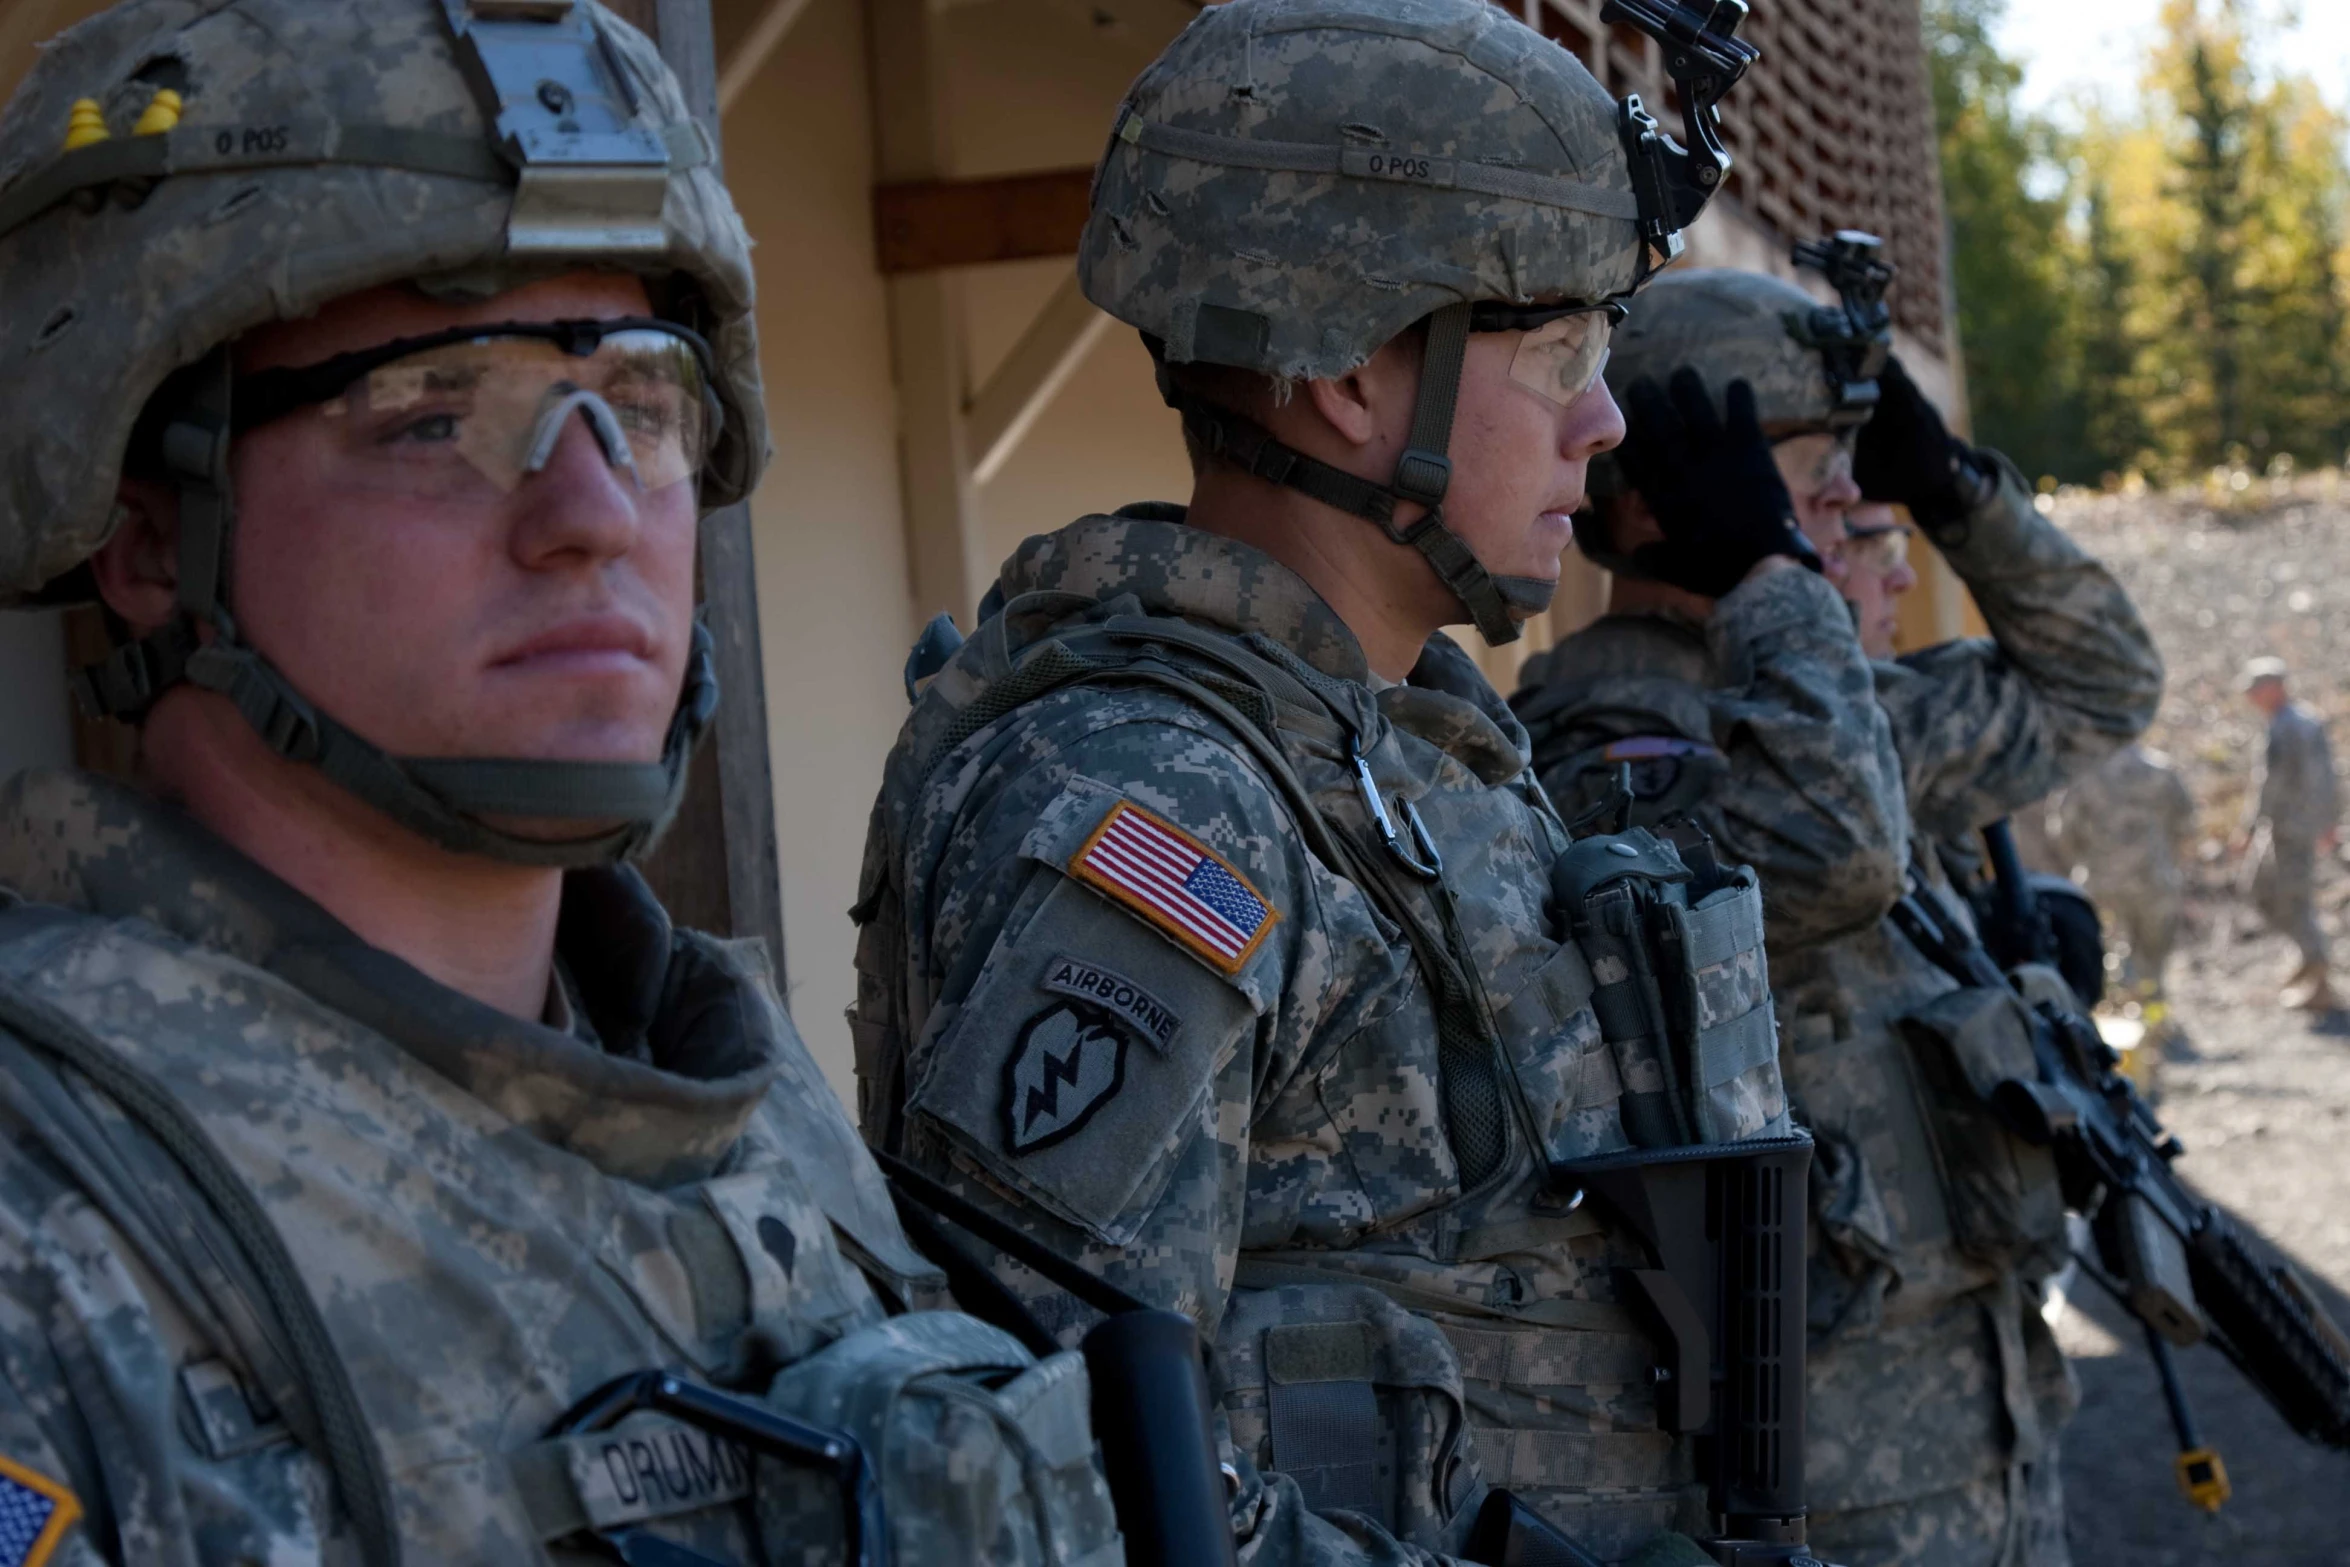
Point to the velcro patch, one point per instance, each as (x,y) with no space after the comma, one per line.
(1153,1019)
(35,1512)
(1188,891)
(1070,1061)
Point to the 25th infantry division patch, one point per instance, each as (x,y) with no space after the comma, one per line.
(35,1512)
(1069,1060)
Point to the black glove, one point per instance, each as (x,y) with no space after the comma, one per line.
(1908,456)
(1711,485)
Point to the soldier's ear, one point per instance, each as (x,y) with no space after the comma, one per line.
(137,568)
(1372,404)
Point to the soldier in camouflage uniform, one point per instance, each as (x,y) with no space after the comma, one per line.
(2129,824)
(360,1108)
(1930,1226)
(1207,913)
(2293,816)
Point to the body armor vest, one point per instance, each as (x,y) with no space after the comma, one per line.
(420,1348)
(1554,1370)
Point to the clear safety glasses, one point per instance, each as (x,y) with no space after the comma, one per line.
(1564,349)
(1878,549)
(1814,461)
(442,416)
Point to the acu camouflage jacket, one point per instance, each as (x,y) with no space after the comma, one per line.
(1111,982)
(301,1254)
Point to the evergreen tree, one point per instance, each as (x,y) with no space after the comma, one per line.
(2202,71)
(2008,248)
(2116,435)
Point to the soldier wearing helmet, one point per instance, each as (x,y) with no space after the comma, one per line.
(1936,1390)
(362,1115)
(1208,923)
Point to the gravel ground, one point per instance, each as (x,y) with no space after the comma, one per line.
(2263,1100)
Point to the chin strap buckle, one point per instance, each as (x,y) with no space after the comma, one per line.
(285,722)
(1423,476)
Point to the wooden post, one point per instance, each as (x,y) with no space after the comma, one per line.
(717,868)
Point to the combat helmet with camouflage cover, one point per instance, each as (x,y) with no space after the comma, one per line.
(173,175)
(1294,183)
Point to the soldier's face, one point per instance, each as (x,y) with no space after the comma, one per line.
(1520,461)
(1877,573)
(1817,469)
(550,620)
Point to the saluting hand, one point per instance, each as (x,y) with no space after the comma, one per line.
(1711,484)
(1906,455)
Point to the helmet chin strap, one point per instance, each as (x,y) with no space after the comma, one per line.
(452,801)
(1422,475)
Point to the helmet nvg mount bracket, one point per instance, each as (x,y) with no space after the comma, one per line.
(1854,337)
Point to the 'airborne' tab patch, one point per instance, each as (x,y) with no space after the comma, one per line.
(1188,891)
(1156,1021)
(35,1512)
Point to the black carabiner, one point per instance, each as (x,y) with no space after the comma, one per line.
(864,1523)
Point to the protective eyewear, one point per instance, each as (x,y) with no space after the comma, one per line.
(444,415)
(1813,460)
(1880,549)
(1564,349)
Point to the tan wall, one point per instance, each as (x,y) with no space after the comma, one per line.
(1032,84)
(835,617)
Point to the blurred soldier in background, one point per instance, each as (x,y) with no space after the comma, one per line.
(1931,1231)
(2129,826)
(2292,816)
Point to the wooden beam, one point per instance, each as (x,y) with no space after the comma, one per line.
(1032,374)
(946,550)
(742,65)
(921,225)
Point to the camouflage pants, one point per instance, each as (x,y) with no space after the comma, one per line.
(2283,885)
(2015,1519)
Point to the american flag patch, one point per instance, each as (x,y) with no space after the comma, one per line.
(1190,892)
(35,1512)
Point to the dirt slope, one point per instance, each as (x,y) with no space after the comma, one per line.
(2264,1105)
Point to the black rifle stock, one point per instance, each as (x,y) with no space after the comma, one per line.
(2186,1270)
(1152,1411)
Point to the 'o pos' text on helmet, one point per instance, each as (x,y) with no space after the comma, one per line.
(1294,183)
(1813,367)
(173,176)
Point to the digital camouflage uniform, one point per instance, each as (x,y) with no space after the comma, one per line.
(492,1217)
(302,1254)
(1936,1392)
(2126,823)
(1233,1126)
(2295,801)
